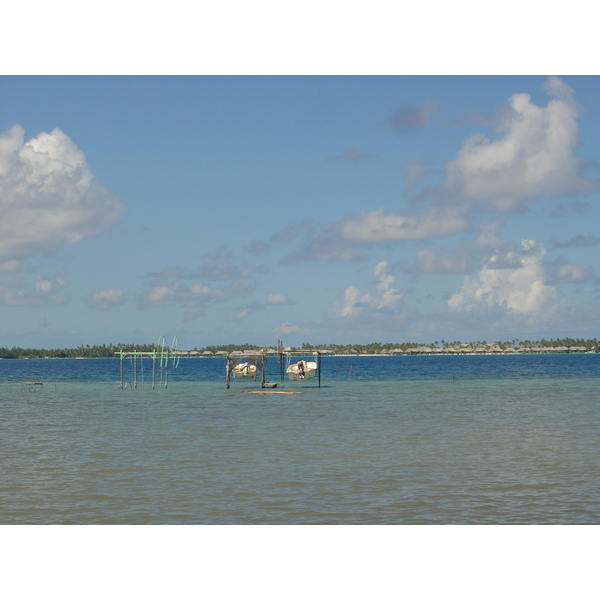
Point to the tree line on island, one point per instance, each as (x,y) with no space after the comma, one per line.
(442,347)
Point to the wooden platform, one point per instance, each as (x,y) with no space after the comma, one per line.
(266,392)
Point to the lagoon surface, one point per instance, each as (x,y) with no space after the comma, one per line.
(384,440)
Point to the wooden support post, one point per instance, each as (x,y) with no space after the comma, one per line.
(121,368)
(318,357)
(135,370)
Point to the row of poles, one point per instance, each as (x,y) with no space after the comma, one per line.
(162,353)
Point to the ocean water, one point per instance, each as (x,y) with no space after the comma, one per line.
(383,440)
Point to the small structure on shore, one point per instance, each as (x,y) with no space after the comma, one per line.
(251,364)
(246,365)
(302,370)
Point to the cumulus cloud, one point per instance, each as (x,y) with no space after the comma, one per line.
(354,302)
(204,291)
(288,328)
(49,196)
(45,292)
(238,315)
(513,281)
(107,298)
(341,242)
(242,312)
(534,156)
(277,299)
(161,295)
(376,226)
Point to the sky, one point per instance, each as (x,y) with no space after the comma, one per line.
(320,209)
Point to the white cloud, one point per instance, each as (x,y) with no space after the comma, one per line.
(203,291)
(339,242)
(13,266)
(48,195)
(218,278)
(160,295)
(276,299)
(375,226)
(513,281)
(45,292)
(287,328)
(354,301)
(107,298)
(238,315)
(534,156)
(242,312)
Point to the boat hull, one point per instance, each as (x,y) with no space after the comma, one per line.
(302,370)
(244,371)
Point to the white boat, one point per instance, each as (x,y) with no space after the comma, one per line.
(302,370)
(244,371)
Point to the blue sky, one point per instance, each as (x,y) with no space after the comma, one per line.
(233,209)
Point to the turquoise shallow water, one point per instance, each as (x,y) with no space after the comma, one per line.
(405,440)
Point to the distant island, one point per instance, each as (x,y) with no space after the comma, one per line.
(516,346)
